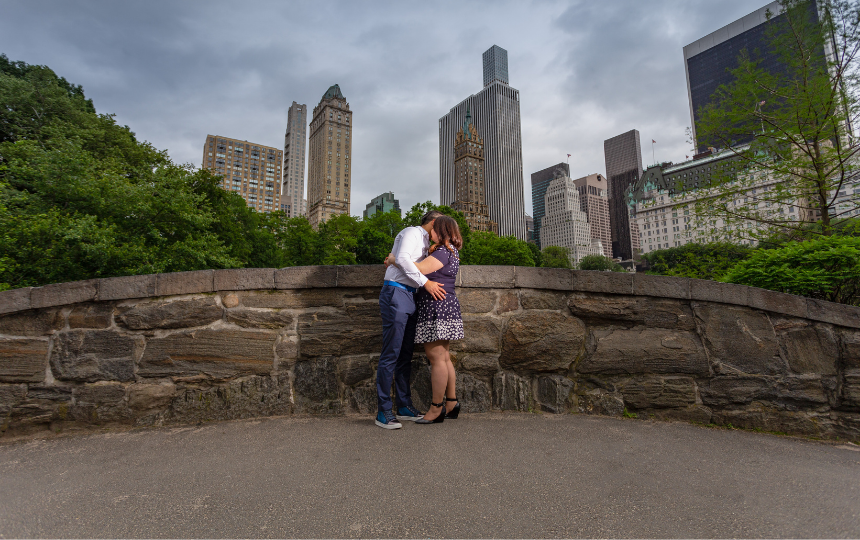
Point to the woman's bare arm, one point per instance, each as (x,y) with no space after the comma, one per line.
(428,265)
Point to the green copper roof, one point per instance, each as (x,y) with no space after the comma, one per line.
(333,93)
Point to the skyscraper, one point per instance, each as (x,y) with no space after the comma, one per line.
(594,201)
(294,160)
(329,157)
(623,157)
(707,61)
(382,204)
(469,178)
(250,170)
(496,113)
(540,181)
(565,224)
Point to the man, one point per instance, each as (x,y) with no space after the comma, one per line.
(397,306)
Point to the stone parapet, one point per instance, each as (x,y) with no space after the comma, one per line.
(218,344)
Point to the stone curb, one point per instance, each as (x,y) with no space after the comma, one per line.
(496,277)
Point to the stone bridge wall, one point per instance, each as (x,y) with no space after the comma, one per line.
(211,345)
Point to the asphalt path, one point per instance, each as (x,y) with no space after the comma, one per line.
(489,475)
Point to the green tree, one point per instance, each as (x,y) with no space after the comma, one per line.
(601,263)
(537,257)
(376,237)
(701,261)
(488,248)
(826,267)
(555,257)
(799,122)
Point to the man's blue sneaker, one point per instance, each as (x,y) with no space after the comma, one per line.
(408,413)
(387,420)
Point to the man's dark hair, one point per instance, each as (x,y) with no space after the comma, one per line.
(430,216)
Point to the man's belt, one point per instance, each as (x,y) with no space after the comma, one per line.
(401,286)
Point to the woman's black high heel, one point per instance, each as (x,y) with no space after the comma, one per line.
(439,419)
(455,412)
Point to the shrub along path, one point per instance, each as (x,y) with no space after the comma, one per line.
(500,475)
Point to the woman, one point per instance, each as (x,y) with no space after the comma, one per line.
(439,321)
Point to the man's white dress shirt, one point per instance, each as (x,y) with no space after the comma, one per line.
(410,246)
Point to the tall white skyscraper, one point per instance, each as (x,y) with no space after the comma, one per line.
(496,112)
(565,224)
(295,142)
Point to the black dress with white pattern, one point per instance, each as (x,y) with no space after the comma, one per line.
(440,319)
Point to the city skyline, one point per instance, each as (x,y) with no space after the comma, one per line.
(149,64)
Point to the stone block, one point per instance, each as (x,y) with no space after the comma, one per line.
(614,351)
(508,301)
(352,370)
(482,334)
(145,397)
(217,354)
(831,312)
(93,355)
(316,382)
(61,294)
(659,392)
(474,394)
(176,283)
(724,391)
(494,277)
(15,300)
(693,413)
(849,343)
(536,299)
(477,300)
(764,418)
(10,396)
(166,314)
(257,318)
(600,402)
(542,341)
(705,290)
(23,360)
(739,339)
(776,302)
(553,393)
(300,277)
(481,364)
(100,402)
(804,389)
(602,282)
(368,275)
(33,322)
(661,286)
(124,287)
(244,279)
(851,388)
(845,425)
(512,392)
(361,399)
(246,397)
(41,405)
(640,310)
(356,329)
(286,352)
(95,315)
(297,299)
(558,279)
(808,348)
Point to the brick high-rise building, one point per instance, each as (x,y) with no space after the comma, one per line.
(469,178)
(623,157)
(330,144)
(540,181)
(594,201)
(295,141)
(250,170)
(496,113)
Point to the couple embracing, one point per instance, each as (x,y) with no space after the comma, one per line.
(418,305)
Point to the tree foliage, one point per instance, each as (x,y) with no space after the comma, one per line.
(701,261)
(826,267)
(799,122)
(555,257)
(600,262)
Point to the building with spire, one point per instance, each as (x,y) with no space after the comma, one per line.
(565,224)
(495,112)
(329,158)
(295,142)
(470,188)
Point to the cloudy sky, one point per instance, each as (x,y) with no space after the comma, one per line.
(175,71)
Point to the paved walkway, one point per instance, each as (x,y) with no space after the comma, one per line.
(500,475)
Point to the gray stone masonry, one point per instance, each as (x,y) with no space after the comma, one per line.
(212,345)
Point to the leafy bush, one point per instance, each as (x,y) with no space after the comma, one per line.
(600,262)
(555,257)
(827,268)
(702,261)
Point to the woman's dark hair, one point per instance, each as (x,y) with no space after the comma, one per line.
(448,232)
